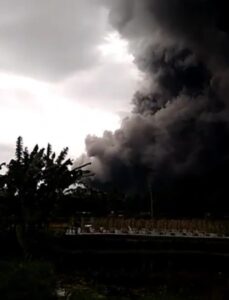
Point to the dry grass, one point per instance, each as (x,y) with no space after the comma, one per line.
(147,226)
(200,226)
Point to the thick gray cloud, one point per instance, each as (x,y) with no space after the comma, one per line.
(50,39)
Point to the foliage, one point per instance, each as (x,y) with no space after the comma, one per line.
(85,200)
(36,181)
(27,281)
(86,294)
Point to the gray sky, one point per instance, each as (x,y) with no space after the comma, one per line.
(64,73)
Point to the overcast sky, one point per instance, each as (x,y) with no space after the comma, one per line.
(64,73)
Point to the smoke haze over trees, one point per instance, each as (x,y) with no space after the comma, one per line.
(178,132)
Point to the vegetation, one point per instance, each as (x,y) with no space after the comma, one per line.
(40,192)
(26,281)
(85,294)
(34,185)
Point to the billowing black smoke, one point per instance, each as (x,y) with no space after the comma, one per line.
(180,122)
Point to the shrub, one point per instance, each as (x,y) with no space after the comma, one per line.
(27,281)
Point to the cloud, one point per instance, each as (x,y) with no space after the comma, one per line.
(6,152)
(55,79)
(50,39)
(109,86)
(38,112)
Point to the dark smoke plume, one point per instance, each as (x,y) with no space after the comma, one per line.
(180,121)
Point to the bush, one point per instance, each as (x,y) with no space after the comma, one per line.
(86,294)
(27,281)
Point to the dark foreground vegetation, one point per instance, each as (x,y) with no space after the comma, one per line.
(41,195)
(161,278)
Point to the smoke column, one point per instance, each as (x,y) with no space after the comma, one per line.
(179,124)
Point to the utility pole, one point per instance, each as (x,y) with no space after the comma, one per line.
(151,195)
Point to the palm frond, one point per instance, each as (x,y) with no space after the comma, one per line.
(19,148)
(48,150)
(62,156)
(34,151)
(82,166)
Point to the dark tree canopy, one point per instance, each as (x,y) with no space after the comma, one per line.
(36,181)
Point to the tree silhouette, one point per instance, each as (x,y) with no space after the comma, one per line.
(34,184)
